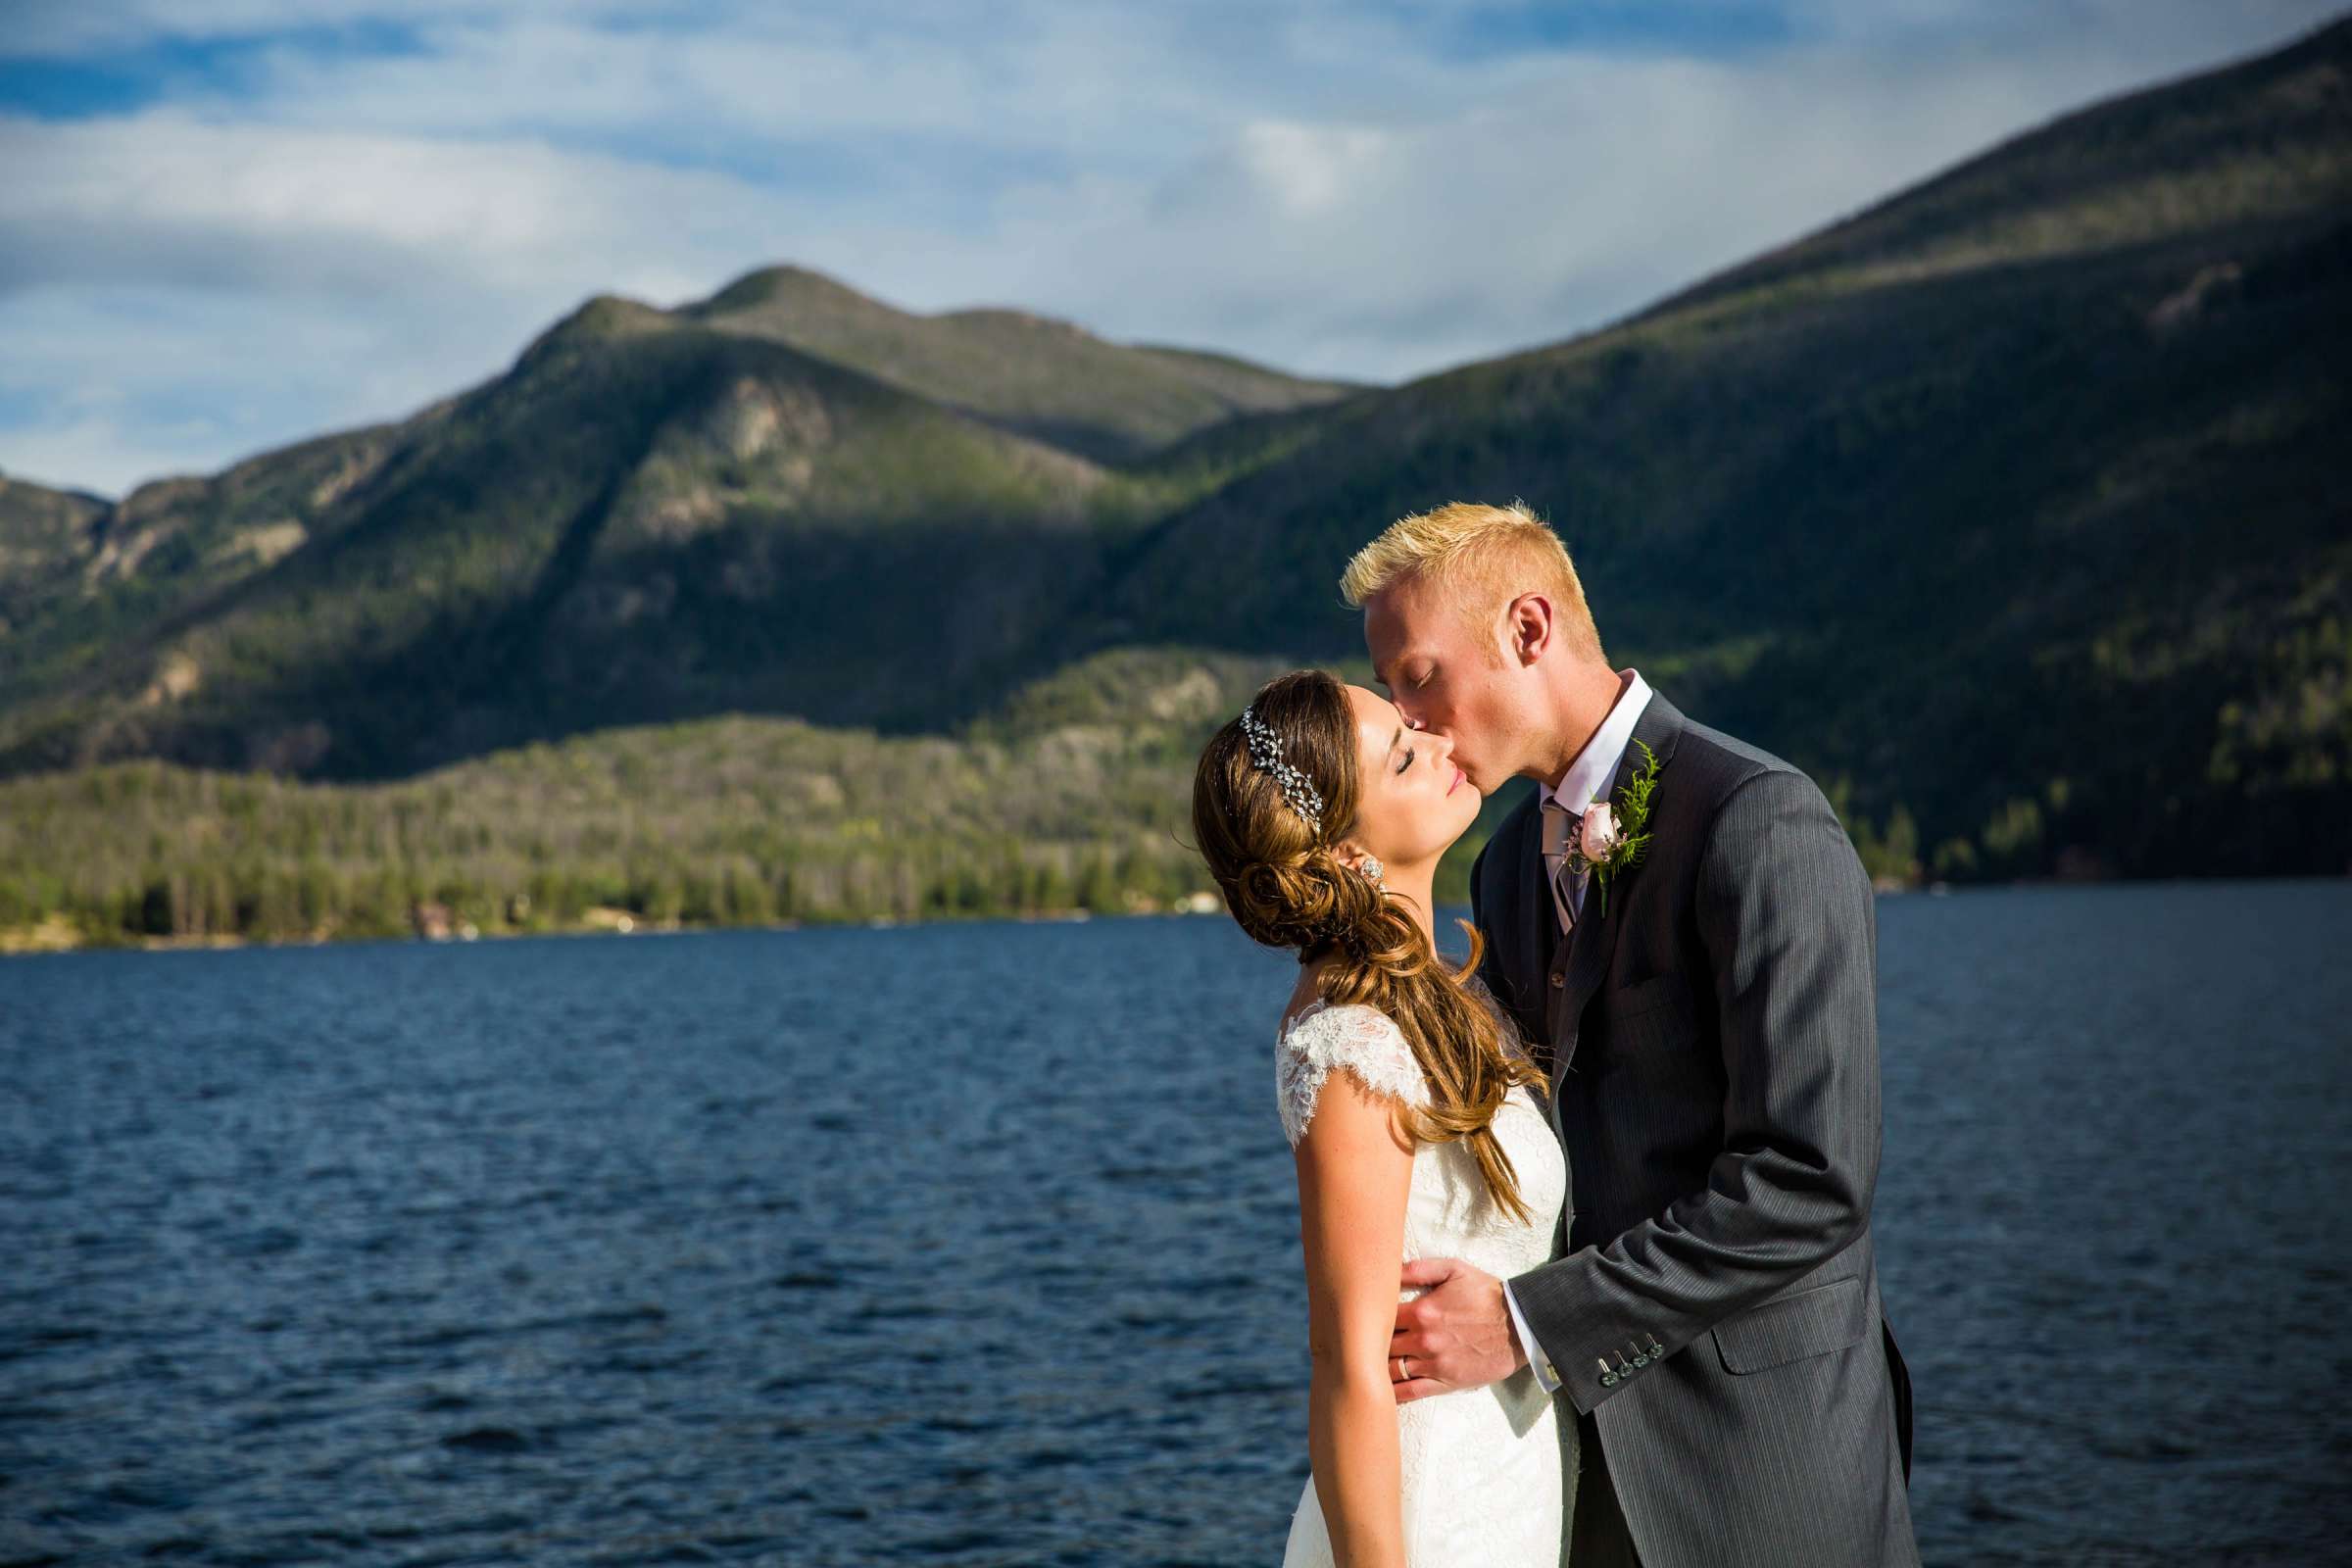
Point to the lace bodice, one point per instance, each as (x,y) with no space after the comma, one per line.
(1481,1467)
(1450,1213)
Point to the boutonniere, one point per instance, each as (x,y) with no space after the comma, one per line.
(1613,839)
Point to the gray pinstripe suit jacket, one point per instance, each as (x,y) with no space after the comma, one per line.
(1713,1046)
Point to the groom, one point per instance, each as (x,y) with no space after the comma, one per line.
(1711,1316)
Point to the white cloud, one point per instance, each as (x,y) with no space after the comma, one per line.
(166,197)
(175,295)
(350,236)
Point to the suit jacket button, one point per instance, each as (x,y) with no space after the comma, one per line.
(1608,1380)
(1558,979)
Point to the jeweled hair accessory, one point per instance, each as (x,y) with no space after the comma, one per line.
(1297,788)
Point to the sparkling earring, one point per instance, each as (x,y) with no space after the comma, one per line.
(1370,866)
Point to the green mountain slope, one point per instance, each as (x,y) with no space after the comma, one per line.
(2020,500)
(1073,794)
(1029,373)
(641,522)
(654,515)
(171,549)
(47,538)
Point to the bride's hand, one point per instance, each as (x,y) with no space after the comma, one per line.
(1456,1336)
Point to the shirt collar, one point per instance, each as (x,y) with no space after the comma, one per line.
(1597,764)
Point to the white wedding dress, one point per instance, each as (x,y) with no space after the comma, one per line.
(1481,1467)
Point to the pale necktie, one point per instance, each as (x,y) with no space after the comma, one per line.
(1560,827)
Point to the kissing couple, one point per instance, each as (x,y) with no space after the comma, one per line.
(1590,1274)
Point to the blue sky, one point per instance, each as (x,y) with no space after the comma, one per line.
(228,224)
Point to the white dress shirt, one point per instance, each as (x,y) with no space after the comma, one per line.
(1586,780)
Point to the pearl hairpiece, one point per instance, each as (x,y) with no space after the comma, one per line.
(1297,788)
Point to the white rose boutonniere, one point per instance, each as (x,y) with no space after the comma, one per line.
(1613,839)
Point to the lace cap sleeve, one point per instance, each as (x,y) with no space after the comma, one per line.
(1361,1038)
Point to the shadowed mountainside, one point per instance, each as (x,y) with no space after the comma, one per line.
(2020,499)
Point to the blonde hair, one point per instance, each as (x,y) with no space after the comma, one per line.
(1484,556)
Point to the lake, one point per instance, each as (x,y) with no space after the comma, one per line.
(977,1243)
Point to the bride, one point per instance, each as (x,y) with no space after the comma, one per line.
(1406,1100)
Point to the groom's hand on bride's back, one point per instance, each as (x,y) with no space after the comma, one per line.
(1455,1336)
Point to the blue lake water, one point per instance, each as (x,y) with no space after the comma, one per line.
(977,1244)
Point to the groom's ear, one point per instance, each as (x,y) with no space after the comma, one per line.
(1526,626)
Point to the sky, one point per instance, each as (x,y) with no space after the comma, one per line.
(230,225)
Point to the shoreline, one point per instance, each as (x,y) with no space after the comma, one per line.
(58,935)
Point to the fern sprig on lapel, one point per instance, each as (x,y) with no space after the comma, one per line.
(1611,840)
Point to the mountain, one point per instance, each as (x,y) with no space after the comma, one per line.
(643,518)
(2013,508)
(2019,501)
(45,537)
(653,515)
(1031,374)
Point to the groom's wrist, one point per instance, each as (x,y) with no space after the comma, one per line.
(1530,1350)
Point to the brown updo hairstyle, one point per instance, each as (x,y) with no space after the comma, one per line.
(1288,890)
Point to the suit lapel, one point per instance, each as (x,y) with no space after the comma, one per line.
(1594,938)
